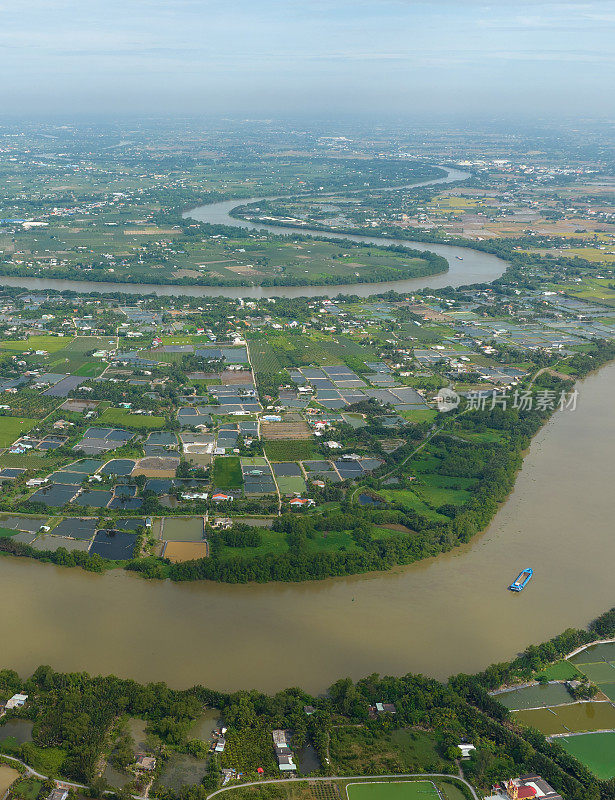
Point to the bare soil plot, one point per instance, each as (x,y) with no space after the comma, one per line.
(8,776)
(242,376)
(286,430)
(184,551)
(157,467)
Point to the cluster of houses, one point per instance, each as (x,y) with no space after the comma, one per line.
(283,752)
(525,787)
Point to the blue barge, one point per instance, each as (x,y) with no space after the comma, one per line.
(521,581)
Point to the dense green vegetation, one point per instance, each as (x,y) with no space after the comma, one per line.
(76,716)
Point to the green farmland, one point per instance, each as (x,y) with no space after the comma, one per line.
(227,473)
(595,750)
(46,342)
(402,790)
(290,449)
(118,416)
(12,428)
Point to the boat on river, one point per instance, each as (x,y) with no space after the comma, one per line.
(522,580)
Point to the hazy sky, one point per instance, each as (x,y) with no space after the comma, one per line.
(317,56)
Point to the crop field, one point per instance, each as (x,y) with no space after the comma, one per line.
(12,428)
(264,357)
(45,342)
(290,428)
(29,403)
(227,473)
(397,790)
(344,348)
(290,450)
(118,416)
(298,350)
(289,484)
(595,750)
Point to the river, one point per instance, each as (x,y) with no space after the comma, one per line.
(466,266)
(449,614)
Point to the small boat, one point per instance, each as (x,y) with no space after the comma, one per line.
(521,581)
(460,258)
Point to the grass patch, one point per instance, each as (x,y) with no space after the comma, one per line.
(331,541)
(27,789)
(46,760)
(290,449)
(560,671)
(403,790)
(440,495)
(91,369)
(49,343)
(487,436)
(118,416)
(6,532)
(290,484)
(419,415)
(595,750)
(409,501)
(272,542)
(12,428)
(227,473)
(357,750)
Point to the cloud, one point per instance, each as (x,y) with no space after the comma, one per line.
(327,48)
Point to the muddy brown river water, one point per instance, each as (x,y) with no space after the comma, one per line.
(449,614)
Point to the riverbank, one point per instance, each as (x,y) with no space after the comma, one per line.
(465,264)
(497,463)
(454,609)
(414,734)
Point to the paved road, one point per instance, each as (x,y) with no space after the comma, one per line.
(32,773)
(349,778)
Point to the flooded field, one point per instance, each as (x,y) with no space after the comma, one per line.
(594,654)
(22,523)
(136,728)
(570,719)
(20,730)
(182,529)
(535,696)
(182,770)
(205,725)
(307,760)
